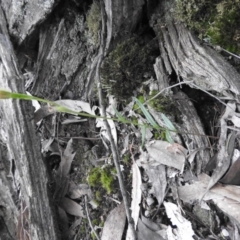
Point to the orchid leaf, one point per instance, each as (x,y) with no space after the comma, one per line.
(168,122)
(146,113)
(120,116)
(168,137)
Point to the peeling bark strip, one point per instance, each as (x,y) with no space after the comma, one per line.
(181,52)
(29,177)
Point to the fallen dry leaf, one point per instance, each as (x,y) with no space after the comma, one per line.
(236,121)
(66,160)
(232,176)
(63,221)
(71,207)
(145,232)
(226,197)
(184,229)
(114,224)
(100,124)
(165,153)
(76,105)
(136,193)
(77,191)
(158,180)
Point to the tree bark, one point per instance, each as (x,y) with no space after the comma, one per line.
(30,214)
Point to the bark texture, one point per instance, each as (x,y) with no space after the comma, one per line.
(26,171)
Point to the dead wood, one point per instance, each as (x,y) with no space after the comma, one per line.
(27,170)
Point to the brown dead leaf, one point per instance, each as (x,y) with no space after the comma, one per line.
(66,160)
(230,207)
(184,229)
(76,105)
(162,152)
(77,191)
(63,222)
(232,176)
(226,197)
(71,207)
(194,192)
(157,177)
(229,191)
(114,224)
(144,232)
(136,193)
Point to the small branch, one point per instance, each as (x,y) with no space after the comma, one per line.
(175,85)
(116,158)
(89,220)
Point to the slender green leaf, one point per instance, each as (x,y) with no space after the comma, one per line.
(168,137)
(120,116)
(143,130)
(168,122)
(146,113)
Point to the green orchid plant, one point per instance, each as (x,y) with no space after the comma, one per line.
(120,118)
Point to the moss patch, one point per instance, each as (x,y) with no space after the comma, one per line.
(123,70)
(102,177)
(161,104)
(216,20)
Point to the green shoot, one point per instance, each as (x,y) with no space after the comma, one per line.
(168,122)
(146,113)
(168,136)
(120,118)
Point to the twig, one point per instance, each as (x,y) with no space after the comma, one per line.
(218,48)
(86,138)
(193,84)
(89,220)
(116,158)
(175,85)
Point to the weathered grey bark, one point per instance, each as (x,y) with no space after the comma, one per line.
(28,173)
(182,52)
(23,16)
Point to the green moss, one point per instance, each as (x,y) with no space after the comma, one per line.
(94,176)
(95,222)
(107,180)
(98,196)
(162,103)
(216,20)
(126,158)
(102,177)
(125,66)
(93,21)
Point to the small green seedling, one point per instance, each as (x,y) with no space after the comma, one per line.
(120,118)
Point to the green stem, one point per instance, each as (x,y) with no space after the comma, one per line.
(63,109)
